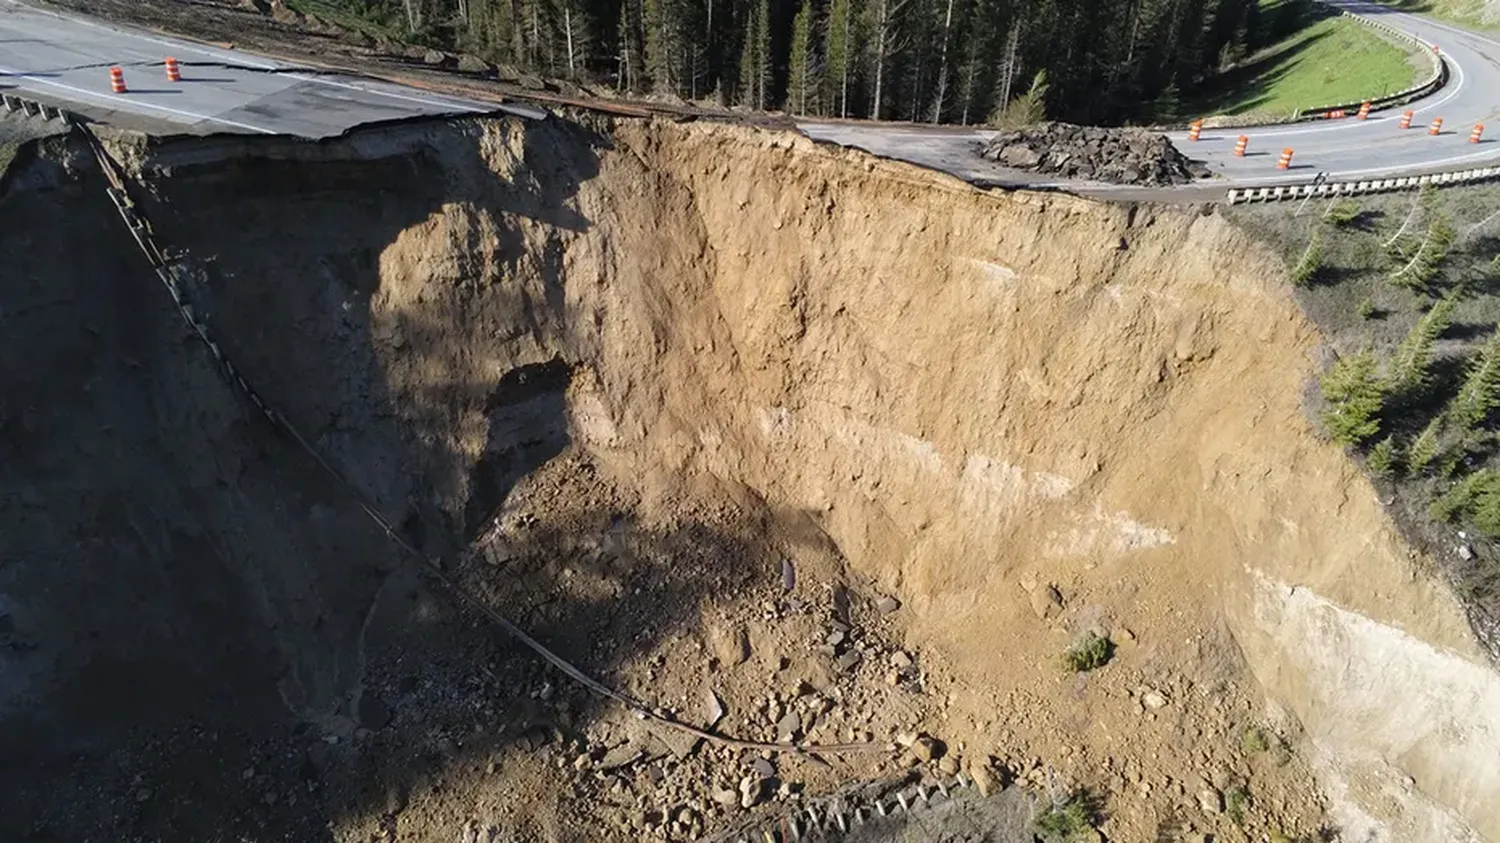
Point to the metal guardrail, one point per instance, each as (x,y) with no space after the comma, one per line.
(32,108)
(1356,188)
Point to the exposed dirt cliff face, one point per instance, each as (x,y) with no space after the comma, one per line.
(671,357)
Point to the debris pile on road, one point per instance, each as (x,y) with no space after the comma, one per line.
(1121,156)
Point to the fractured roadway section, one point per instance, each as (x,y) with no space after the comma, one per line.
(54,57)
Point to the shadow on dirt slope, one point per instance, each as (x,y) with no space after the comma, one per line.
(202,637)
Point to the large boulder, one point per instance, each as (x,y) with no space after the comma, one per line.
(1121,156)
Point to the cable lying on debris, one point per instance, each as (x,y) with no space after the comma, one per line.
(140,230)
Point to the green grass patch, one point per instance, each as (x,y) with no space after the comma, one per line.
(1331,60)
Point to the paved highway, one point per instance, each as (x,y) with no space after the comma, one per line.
(1347,148)
(64,59)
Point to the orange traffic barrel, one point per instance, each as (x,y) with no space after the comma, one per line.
(1240,145)
(117,80)
(1437,126)
(1195,129)
(1364,110)
(174,71)
(1285,161)
(1406,119)
(1474,135)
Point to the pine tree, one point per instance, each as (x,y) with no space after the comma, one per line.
(885,42)
(1355,396)
(577,36)
(841,38)
(630,48)
(803,83)
(661,46)
(1409,367)
(1384,459)
(1480,393)
(1306,270)
(940,100)
(1424,449)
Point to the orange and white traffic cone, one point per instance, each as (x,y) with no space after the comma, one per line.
(1436,127)
(117,80)
(174,72)
(1285,161)
(1406,119)
(1474,135)
(1364,110)
(1195,129)
(1240,145)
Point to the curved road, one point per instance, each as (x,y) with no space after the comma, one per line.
(1377,147)
(1345,149)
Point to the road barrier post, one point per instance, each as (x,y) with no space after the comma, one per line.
(117,80)
(174,72)
(1474,135)
(1437,126)
(1406,119)
(1240,145)
(1195,129)
(1285,161)
(1364,110)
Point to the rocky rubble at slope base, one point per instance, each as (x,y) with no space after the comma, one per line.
(1121,156)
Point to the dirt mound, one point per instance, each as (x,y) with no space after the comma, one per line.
(1121,156)
(788,440)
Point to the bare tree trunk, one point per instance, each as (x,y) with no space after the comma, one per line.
(413,15)
(517,32)
(844,80)
(568,33)
(881,24)
(942,80)
(1009,74)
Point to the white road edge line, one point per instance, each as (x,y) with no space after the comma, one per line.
(135,103)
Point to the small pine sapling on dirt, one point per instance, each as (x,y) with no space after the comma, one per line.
(1306,270)
(1236,803)
(1366,308)
(1355,396)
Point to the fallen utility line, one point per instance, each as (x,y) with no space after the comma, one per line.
(136,223)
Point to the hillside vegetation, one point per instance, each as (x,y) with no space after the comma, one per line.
(1407,289)
(1334,59)
(960,61)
